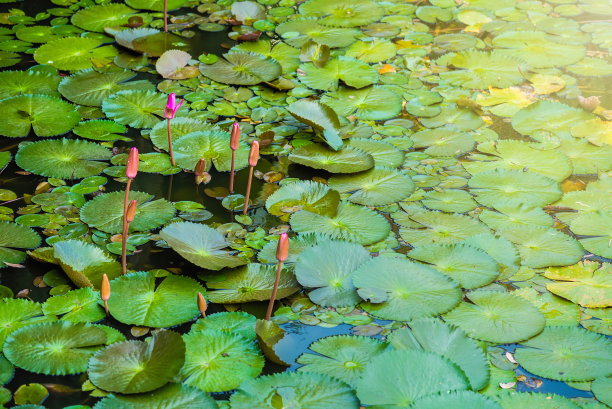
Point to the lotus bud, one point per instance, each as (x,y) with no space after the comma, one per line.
(202,304)
(254,154)
(105,288)
(131,169)
(235,138)
(131,211)
(282,248)
(171,106)
(200,167)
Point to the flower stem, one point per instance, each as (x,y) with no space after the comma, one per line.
(166,17)
(231,186)
(248,191)
(273,296)
(125,227)
(170,144)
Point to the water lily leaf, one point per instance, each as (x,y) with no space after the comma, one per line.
(451,200)
(136,300)
(242,68)
(137,366)
(85,263)
(179,127)
(452,343)
(249,283)
(8,58)
(320,117)
(343,13)
(558,312)
(504,102)
(269,334)
(537,49)
(234,322)
(298,32)
(147,40)
(409,375)
(500,187)
(593,223)
(376,187)
(89,87)
(211,145)
(461,118)
(54,348)
(456,400)
(80,305)
(308,195)
(13,83)
(296,245)
(481,70)
(201,245)
(601,389)
(345,160)
(542,246)
(288,57)
(383,152)
(35,34)
(173,64)
(171,396)
(591,67)
(328,267)
(431,14)
(352,72)
(586,158)
(368,104)
(584,283)
(548,116)
(469,266)
(497,317)
(299,390)
(105,212)
(444,141)
(46,115)
(342,356)
(514,400)
(377,50)
(138,109)
(513,214)
(414,290)
(95,18)
(16,313)
(73,53)
(100,130)
(351,222)
(566,354)
(13,236)
(155,5)
(218,361)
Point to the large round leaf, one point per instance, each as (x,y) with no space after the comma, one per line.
(368,104)
(138,109)
(383,152)
(15,235)
(350,71)
(63,158)
(14,83)
(328,268)
(16,313)
(517,400)
(46,115)
(105,212)
(155,5)
(232,322)
(481,70)
(82,305)
(375,187)
(95,18)
(307,195)
(497,317)
(137,300)
(587,283)
(73,53)
(456,400)
(550,116)
(201,245)
(137,366)
(85,263)
(179,127)
(445,141)
(213,146)
(242,68)
(344,13)
(346,160)
(309,29)
(403,290)
(172,396)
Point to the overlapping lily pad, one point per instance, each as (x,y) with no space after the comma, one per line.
(46,115)
(350,71)
(375,187)
(346,160)
(242,68)
(136,108)
(297,32)
(85,263)
(370,103)
(14,83)
(12,237)
(73,53)
(587,283)
(303,195)
(213,146)
(171,396)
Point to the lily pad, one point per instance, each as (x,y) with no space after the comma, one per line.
(232,322)
(82,305)
(307,195)
(344,13)
(345,160)
(201,245)
(100,130)
(413,290)
(46,115)
(95,18)
(461,118)
(85,263)
(385,154)
(445,141)
(16,313)
(587,283)
(456,400)
(548,116)
(155,5)
(511,215)
(350,71)
(105,212)
(137,300)
(147,40)
(299,31)
(374,51)
(13,235)
(513,400)
(13,83)
(138,109)
(376,187)
(242,68)
(213,146)
(73,53)
(372,103)
(179,127)
(481,70)
(320,117)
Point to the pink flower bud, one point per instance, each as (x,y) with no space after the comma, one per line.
(235,139)
(282,248)
(131,211)
(171,106)
(254,154)
(131,169)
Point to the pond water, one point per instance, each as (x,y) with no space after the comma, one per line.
(443,171)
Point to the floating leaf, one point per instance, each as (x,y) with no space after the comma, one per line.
(350,71)
(383,152)
(155,5)
(80,305)
(375,187)
(456,400)
(13,236)
(481,70)
(95,18)
(587,283)
(513,214)
(138,109)
(242,68)
(46,115)
(173,64)
(445,141)
(85,263)
(371,103)
(234,322)
(16,313)
(179,127)
(308,28)
(213,146)
(462,119)
(537,50)
(100,130)
(346,160)
(171,396)
(343,13)
(148,40)
(320,117)
(73,53)
(548,116)
(13,83)
(376,50)
(512,400)
(307,195)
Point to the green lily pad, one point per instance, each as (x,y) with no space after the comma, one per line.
(513,214)
(481,70)
(305,194)
(328,267)
(407,375)
(105,212)
(320,117)
(514,400)
(100,130)
(13,236)
(253,282)
(138,109)
(344,13)
(46,115)
(299,31)
(445,141)
(372,103)
(201,245)
(301,390)
(587,283)
(136,366)
(218,361)
(450,200)
(288,57)
(232,322)
(242,68)
(54,348)
(376,187)
(213,146)
(171,396)
(591,67)
(461,118)
(147,40)
(384,153)
(456,400)
(13,83)
(63,158)
(497,317)
(73,53)
(179,127)
(586,158)
(155,5)
(350,71)
(452,343)
(137,300)
(95,18)
(593,223)
(567,354)
(601,388)
(80,305)
(548,116)
(351,222)
(90,87)
(296,245)
(85,263)
(376,50)
(16,313)
(342,356)
(413,290)
(345,160)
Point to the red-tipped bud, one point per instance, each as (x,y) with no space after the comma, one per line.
(200,167)
(131,169)
(105,288)
(254,154)
(282,248)
(131,211)
(235,139)
(202,304)
(171,106)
